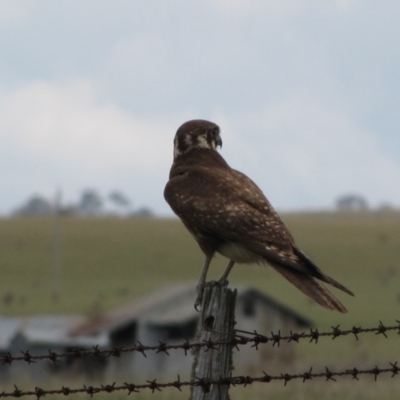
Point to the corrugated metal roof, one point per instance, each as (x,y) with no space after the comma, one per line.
(168,305)
(54,330)
(248,291)
(9,327)
(47,330)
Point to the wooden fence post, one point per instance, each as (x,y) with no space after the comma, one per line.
(217,321)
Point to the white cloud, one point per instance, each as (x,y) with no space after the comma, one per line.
(304,154)
(239,61)
(242,8)
(245,7)
(301,152)
(11,12)
(64,136)
(61,123)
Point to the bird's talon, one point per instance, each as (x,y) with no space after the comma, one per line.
(197,303)
(199,299)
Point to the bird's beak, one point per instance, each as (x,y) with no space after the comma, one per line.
(218,141)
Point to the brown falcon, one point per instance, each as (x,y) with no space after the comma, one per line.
(226,212)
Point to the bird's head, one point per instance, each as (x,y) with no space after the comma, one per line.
(196,134)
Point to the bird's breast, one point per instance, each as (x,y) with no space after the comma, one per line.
(239,254)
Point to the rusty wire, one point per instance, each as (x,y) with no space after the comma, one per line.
(239,338)
(205,383)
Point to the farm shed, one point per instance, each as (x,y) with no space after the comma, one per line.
(39,334)
(167,315)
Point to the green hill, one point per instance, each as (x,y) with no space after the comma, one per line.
(106,261)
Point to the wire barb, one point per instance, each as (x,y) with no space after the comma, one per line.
(240,338)
(206,383)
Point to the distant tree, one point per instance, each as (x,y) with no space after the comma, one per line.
(386,207)
(35,206)
(351,202)
(90,203)
(119,199)
(143,212)
(69,210)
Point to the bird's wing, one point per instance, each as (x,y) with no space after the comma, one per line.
(226,204)
(289,255)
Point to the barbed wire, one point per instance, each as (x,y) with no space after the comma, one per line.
(205,383)
(239,338)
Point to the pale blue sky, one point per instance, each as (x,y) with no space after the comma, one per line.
(306,94)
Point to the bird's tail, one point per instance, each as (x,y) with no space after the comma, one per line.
(312,288)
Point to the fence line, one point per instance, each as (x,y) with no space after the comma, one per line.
(241,338)
(206,383)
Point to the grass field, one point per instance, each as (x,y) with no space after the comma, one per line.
(106,262)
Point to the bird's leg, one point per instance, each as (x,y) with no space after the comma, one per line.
(224,278)
(200,284)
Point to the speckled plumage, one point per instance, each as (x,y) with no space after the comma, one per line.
(226,212)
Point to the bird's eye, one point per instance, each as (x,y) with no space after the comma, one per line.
(213,133)
(214,138)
